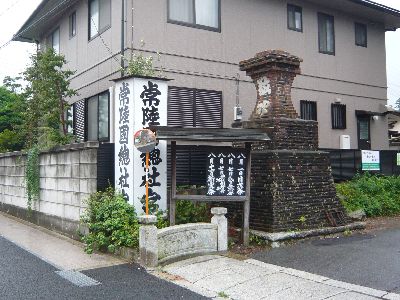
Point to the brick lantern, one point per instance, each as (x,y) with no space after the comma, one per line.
(292,183)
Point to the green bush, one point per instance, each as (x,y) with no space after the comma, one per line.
(376,195)
(111,221)
(191,212)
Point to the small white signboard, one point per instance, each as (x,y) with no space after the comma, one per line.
(370,160)
(140,103)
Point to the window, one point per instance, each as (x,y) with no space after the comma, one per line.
(196,13)
(194,108)
(326,34)
(55,40)
(308,110)
(99,17)
(338,116)
(72,25)
(97,117)
(361,34)
(294,17)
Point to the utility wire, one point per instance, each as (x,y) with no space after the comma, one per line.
(33,24)
(104,43)
(8,8)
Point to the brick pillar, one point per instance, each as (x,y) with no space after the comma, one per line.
(292,184)
(273,72)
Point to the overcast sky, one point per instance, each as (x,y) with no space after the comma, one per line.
(15,56)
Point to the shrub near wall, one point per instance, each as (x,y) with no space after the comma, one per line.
(376,195)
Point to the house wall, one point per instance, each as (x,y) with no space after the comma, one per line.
(67,177)
(197,58)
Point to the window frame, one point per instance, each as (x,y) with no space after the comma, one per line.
(358,25)
(335,108)
(194,25)
(51,38)
(326,16)
(100,30)
(107,139)
(72,25)
(313,111)
(295,8)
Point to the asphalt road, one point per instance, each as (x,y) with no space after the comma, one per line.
(371,260)
(25,276)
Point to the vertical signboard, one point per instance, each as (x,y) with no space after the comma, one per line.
(124,131)
(140,103)
(226,173)
(150,110)
(370,160)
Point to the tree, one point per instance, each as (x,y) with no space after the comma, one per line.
(12,106)
(48,88)
(397,104)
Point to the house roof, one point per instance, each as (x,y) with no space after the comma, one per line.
(49,11)
(41,20)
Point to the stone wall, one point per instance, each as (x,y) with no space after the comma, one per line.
(301,186)
(68,175)
(286,134)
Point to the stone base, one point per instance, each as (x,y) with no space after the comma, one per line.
(286,133)
(280,237)
(63,226)
(291,190)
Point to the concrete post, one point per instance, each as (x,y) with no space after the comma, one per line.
(220,220)
(148,246)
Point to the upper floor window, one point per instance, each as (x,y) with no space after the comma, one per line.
(196,13)
(361,34)
(295,17)
(308,110)
(326,34)
(338,116)
(99,17)
(55,40)
(72,24)
(97,117)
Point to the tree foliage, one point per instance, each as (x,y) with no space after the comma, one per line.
(46,122)
(12,106)
(397,105)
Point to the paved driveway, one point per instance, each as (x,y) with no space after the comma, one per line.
(371,260)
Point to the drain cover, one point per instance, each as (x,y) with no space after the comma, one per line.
(77,278)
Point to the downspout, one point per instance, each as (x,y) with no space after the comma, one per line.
(122,38)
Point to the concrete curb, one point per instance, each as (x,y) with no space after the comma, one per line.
(276,237)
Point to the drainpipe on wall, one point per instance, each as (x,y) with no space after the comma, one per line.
(122,37)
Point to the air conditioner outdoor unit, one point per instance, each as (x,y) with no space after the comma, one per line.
(345,142)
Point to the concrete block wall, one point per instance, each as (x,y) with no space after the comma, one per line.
(68,175)
(12,180)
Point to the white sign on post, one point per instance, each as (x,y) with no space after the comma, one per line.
(124,131)
(147,106)
(370,160)
(150,109)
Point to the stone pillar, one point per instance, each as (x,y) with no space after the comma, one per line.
(148,245)
(220,220)
(291,186)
